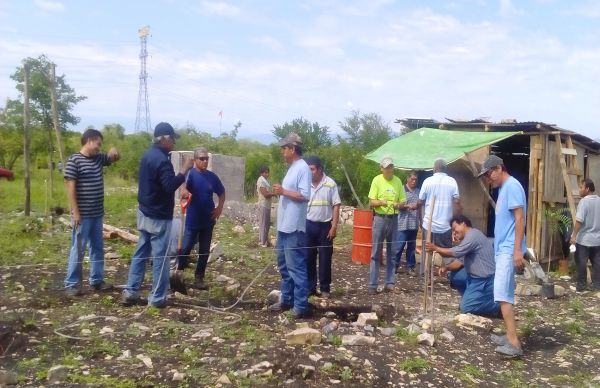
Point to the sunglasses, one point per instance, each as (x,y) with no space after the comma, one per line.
(202,158)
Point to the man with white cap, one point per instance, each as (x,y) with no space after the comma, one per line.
(509,245)
(386,197)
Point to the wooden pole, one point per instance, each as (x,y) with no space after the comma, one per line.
(26,141)
(54,108)
(351,186)
(481,184)
(425,259)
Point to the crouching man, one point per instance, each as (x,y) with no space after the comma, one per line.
(471,271)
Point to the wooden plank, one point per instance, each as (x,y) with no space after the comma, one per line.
(473,169)
(532,198)
(567,180)
(573,171)
(543,141)
(568,151)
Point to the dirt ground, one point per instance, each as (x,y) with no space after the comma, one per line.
(189,344)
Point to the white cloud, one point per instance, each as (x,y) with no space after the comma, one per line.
(50,6)
(220,8)
(507,9)
(269,42)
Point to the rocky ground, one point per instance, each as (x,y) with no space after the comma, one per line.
(204,340)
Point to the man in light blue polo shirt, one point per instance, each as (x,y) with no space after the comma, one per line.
(294,193)
(509,245)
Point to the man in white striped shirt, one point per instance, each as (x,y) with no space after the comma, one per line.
(85,191)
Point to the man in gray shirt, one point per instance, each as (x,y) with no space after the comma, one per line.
(472,270)
(586,235)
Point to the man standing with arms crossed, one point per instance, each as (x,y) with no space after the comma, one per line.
(586,235)
(156,198)
(321,226)
(509,245)
(85,191)
(294,193)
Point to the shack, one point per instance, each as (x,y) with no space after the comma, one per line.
(548,161)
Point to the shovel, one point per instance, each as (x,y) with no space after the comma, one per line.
(176,281)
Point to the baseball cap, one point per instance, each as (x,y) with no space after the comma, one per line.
(386,161)
(291,139)
(164,129)
(489,163)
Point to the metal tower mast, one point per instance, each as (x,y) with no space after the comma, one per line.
(142,118)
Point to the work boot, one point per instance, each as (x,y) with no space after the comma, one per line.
(279,307)
(199,284)
(73,291)
(102,286)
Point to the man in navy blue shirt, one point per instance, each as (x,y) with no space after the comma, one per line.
(156,199)
(202,214)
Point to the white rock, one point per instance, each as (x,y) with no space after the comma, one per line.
(367,363)
(146,360)
(223,279)
(238,229)
(357,340)
(426,339)
(204,333)
(303,336)
(307,371)
(315,357)
(8,378)
(474,320)
(367,319)
(178,376)
(274,296)
(224,379)
(86,332)
(107,330)
(447,336)
(57,374)
(125,355)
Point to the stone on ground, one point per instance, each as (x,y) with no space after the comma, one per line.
(474,321)
(426,339)
(367,319)
(357,340)
(303,336)
(58,374)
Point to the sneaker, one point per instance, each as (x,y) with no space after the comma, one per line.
(278,307)
(325,294)
(199,284)
(499,339)
(401,270)
(388,289)
(509,350)
(372,291)
(581,288)
(160,305)
(73,291)
(296,314)
(133,301)
(411,272)
(102,286)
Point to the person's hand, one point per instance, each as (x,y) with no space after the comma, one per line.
(412,206)
(429,247)
(76,218)
(113,154)
(186,166)
(185,194)
(443,270)
(518,260)
(277,189)
(573,239)
(332,233)
(216,213)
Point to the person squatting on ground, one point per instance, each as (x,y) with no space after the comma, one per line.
(157,184)
(447,204)
(509,245)
(586,235)
(294,193)
(321,226)
(85,192)
(265,195)
(386,196)
(471,269)
(409,216)
(202,214)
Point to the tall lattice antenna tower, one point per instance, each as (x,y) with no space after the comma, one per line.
(142,118)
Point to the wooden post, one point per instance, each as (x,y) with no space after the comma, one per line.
(54,108)
(426,263)
(351,186)
(475,175)
(539,210)
(26,141)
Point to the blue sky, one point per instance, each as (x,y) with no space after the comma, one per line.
(268,62)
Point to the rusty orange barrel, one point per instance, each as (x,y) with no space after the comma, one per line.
(361,236)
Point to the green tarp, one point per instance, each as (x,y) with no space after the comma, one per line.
(420,148)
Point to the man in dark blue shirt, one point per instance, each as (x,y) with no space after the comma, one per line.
(202,214)
(156,198)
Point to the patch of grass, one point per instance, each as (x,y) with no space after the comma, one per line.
(467,373)
(577,379)
(336,340)
(513,377)
(576,305)
(414,364)
(100,346)
(408,338)
(153,311)
(108,301)
(338,291)
(346,374)
(573,326)
(96,379)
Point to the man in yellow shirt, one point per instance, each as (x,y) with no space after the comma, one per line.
(386,197)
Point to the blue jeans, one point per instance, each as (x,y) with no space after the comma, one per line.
(190,237)
(478,297)
(384,229)
(153,243)
(406,238)
(318,243)
(291,262)
(458,280)
(90,232)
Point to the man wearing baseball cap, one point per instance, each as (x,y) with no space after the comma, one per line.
(509,245)
(157,184)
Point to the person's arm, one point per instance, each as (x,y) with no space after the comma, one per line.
(575,231)
(293,195)
(519,234)
(456,207)
(334,222)
(113,154)
(377,202)
(454,265)
(265,193)
(219,209)
(431,247)
(72,197)
(169,181)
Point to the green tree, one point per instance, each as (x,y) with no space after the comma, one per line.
(313,135)
(365,132)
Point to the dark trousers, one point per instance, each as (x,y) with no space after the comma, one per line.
(203,237)
(318,243)
(582,254)
(406,238)
(443,240)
